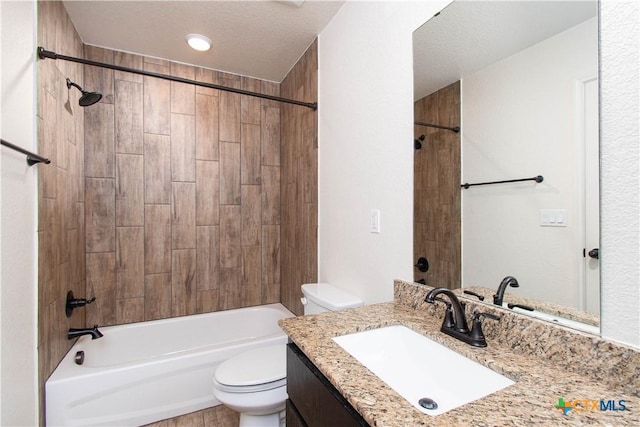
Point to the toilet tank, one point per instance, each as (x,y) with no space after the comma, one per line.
(323,297)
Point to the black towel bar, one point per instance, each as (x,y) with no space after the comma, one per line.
(32,158)
(538,178)
(455,129)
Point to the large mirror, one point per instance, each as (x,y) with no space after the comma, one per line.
(508,91)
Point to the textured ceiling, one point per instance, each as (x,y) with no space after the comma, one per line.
(261,39)
(468,36)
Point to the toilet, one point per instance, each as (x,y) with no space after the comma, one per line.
(254,383)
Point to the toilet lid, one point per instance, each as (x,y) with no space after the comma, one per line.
(258,366)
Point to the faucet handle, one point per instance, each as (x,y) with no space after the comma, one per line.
(522,306)
(476,330)
(475,294)
(449,321)
(477,315)
(73,303)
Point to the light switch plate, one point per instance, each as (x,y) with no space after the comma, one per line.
(374,221)
(553,217)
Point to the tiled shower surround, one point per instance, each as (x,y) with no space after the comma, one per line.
(166,199)
(436,223)
(182,188)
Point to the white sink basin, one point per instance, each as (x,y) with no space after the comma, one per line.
(417,367)
(557,319)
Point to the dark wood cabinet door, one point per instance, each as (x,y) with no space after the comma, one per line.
(313,397)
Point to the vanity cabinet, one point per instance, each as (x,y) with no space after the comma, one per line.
(313,400)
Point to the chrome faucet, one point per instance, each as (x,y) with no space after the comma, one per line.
(507,281)
(455,324)
(75,333)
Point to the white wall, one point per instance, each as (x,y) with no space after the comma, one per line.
(518,121)
(620,170)
(19,367)
(365,117)
(365,133)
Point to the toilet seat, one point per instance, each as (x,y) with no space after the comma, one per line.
(260,369)
(250,388)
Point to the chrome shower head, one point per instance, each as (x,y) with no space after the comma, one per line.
(87,98)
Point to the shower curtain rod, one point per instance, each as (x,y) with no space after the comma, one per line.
(454,129)
(42,54)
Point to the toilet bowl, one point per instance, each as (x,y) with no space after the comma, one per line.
(254,384)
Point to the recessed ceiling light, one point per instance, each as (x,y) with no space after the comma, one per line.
(198,42)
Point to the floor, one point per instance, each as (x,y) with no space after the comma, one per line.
(218,416)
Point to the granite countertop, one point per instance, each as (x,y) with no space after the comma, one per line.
(531,400)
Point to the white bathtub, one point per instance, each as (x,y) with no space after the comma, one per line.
(145,372)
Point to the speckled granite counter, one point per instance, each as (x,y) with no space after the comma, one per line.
(540,380)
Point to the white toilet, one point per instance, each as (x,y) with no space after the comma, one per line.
(254,383)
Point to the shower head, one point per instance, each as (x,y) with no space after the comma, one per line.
(87,98)
(417,143)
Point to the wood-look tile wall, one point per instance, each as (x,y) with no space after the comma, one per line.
(437,189)
(299,181)
(183,192)
(61,197)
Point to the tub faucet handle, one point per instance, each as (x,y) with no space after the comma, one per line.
(75,303)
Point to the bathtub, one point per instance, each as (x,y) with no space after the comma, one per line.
(144,372)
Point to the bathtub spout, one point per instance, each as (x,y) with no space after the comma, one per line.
(75,333)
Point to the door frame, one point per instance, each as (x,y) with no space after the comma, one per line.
(580,162)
